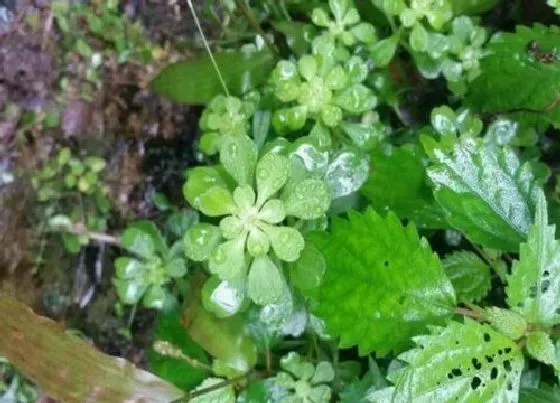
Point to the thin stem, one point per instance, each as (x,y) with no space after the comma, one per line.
(467,312)
(207,46)
(170,350)
(256,26)
(219,385)
(79,229)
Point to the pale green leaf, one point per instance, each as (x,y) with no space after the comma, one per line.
(469,362)
(225,394)
(484,191)
(200,240)
(228,260)
(265,283)
(138,242)
(238,155)
(508,323)
(534,284)
(383,273)
(216,201)
(272,212)
(127,268)
(286,242)
(308,271)
(469,274)
(199,180)
(383,51)
(308,200)
(258,243)
(244,197)
(272,174)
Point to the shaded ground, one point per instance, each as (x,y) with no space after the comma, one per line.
(146,141)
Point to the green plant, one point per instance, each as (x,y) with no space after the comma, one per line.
(343,216)
(14,387)
(72,190)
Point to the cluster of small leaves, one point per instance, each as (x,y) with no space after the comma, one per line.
(302,234)
(439,41)
(105,25)
(555,4)
(73,189)
(14,387)
(147,275)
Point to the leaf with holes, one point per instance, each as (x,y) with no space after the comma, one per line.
(484,191)
(467,362)
(534,284)
(469,274)
(381,272)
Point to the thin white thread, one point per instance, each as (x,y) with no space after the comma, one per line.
(214,63)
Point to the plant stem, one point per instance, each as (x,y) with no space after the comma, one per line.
(219,385)
(467,312)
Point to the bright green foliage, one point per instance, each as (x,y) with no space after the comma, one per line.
(14,387)
(318,88)
(521,73)
(155,265)
(540,346)
(225,394)
(174,369)
(555,4)
(508,323)
(58,183)
(436,12)
(345,25)
(484,191)
(409,197)
(224,116)
(533,287)
(470,362)
(410,288)
(469,275)
(253,237)
(306,382)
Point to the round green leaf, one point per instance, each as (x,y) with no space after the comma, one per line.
(155,297)
(200,180)
(216,201)
(129,291)
(223,298)
(244,197)
(383,51)
(272,212)
(257,242)
(128,268)
(307,272)
(308,200)
(286,242)
(228,261)
(138,242)
(200,240)
(176,267)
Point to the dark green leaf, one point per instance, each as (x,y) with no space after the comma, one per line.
(196,82)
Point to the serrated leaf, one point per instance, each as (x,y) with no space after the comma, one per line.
(410,196)
(196,81)
(540,346)
(469,362)
(484,191)
(469,274)
(383,273)
(516,79)
(534,284)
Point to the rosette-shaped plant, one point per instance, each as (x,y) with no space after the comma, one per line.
(155,265)
(346,24)
(251,240)
(306,382)
(321,89)
(224,116)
